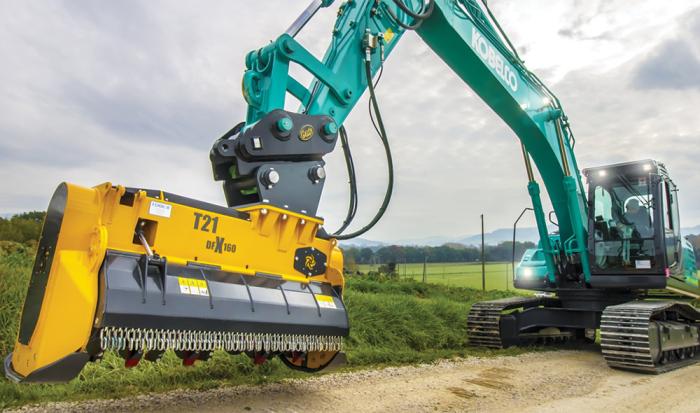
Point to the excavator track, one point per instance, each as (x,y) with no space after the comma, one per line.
(650,336)
(483,324)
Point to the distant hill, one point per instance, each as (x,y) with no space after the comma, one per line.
(362,243)
(504,234)
(691,231)
(490,238)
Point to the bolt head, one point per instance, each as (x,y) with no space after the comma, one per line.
(288,46)
(316,174)
(273,177)
(285,124)
(330,128)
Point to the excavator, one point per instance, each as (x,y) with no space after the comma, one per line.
(141,271)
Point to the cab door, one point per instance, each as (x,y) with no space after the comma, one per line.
(671,226)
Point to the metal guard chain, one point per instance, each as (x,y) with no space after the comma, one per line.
(134,339)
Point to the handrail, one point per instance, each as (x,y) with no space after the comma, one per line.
(515,225)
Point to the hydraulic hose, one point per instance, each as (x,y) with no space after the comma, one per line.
(419,17)
(390,162)
(352,208)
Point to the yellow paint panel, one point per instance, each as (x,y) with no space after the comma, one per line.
(67,313)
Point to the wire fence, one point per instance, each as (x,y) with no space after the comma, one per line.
(497,275)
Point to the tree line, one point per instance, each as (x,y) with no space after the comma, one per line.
(22,227)
(444,253)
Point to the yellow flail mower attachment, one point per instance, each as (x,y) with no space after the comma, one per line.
(141,272)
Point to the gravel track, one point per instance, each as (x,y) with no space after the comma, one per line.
(558,381)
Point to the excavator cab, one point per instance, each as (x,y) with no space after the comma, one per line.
(634,226)
(634,232)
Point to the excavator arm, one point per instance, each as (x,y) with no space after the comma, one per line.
(467,37)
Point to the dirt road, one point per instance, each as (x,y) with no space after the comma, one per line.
(560,381)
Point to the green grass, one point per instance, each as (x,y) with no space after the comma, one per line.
(393,322)
(499,275)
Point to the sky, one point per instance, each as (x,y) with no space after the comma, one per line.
(135,93)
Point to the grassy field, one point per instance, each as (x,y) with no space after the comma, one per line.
(393,322)
(499,275)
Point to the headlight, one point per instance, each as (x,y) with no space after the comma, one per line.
(527,272)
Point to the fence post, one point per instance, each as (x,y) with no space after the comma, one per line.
(483,264)
(425,267)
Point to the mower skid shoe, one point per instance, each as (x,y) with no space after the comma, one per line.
(336,364)
(61,371)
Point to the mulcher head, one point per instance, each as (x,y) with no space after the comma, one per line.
(142,272)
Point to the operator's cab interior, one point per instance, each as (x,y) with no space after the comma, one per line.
(633,219)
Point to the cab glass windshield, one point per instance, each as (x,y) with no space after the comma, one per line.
(624,224)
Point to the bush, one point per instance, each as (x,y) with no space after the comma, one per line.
(23,227)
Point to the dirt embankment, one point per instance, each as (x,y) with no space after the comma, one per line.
(560,381)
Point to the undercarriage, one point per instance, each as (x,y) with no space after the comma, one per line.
(636,335)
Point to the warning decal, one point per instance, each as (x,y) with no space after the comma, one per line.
(184,287)
(192,286)
(203,288)
(326,301)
